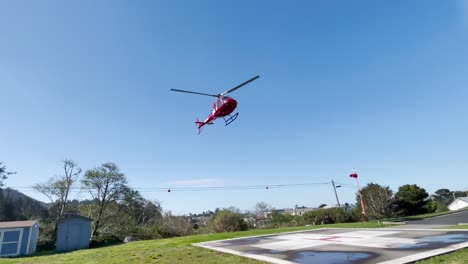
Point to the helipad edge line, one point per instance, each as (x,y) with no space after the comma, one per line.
(426,254)
(247,255)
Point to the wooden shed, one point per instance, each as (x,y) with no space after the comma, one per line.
(73,233)
(18,238)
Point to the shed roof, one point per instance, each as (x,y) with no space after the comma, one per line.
(15,224)
(465,199)
(76,217)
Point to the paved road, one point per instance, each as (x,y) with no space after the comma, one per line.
(380,245)
(449,219)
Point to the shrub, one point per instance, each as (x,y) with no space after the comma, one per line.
(174,226)
(285,220)
(146,233)
(228,220)
(104,240)
(356,214)
(371,217)
(441,207)
(328,216)
(45,245)
(46,231)
(430,206)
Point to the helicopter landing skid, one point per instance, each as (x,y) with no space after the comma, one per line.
(230,119)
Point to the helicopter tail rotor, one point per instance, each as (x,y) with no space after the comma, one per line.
(199,126)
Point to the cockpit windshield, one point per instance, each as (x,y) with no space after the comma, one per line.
(220,101)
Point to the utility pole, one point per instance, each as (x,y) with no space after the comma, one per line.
(336,194)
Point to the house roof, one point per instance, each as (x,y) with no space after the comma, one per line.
(463,200)
(75,217)
(294,210)
(16,224)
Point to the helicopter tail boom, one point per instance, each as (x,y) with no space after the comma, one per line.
(200,125)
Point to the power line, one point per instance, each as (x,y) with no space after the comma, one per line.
(346,185)
(208,188)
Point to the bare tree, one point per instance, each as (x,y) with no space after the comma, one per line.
(58,188)
(261,208)
(377,199)
(106,184)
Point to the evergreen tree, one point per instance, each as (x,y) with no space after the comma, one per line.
(4,174)
(6,209)
(411,200)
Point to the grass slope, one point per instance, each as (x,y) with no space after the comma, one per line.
(457,257)
(173,250)
(456,227)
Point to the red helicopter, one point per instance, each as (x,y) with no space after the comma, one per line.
(222,107)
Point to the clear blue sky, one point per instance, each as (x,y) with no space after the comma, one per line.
(377,86)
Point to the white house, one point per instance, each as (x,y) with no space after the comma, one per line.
(459,203)
(300,210)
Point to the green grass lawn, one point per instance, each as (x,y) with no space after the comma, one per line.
(457,257)
(172,250)
(456,227)
(180,250)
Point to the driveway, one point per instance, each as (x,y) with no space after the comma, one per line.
(448,219)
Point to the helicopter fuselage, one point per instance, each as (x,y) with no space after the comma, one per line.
(222,107)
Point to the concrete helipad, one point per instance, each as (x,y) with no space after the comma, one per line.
(345,245)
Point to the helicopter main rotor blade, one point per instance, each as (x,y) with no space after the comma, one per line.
(183,91)
(240,85)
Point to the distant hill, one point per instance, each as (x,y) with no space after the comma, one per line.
(15,205)
(12,194)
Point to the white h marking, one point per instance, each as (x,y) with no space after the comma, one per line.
(373,239)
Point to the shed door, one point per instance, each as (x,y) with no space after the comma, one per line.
(10,241)
(73,236)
